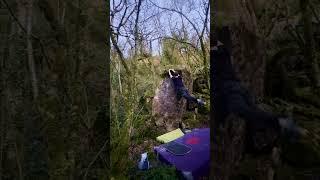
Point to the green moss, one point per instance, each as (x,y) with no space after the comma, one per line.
(284,172)
(248,167)
(159,173)
(307,96)
(143,133)
(302,153)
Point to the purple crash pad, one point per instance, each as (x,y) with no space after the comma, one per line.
(197,161)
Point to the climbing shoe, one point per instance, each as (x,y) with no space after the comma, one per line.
(184,128)
(200,102)
(171,72)
(290,129)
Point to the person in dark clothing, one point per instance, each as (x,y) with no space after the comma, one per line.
(181,90)
(230,97)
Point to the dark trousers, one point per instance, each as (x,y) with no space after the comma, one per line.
(257,121)
(233,98)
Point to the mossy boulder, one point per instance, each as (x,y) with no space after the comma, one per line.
(167,110)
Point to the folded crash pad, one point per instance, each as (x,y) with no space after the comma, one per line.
(170,136)
(197,160)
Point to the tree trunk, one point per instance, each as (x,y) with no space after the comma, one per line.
(213,132)
(247,48)
(249,65)
(137,37)
(78,42)
(57,105)
(34,150)
(4,118)
(309,50)
(119,52)
(229,148)
(31,63)
(248,60)
(202,45)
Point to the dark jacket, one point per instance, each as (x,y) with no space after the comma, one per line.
(178,84)
(230,97)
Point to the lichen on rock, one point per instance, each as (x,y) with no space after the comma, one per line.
(167,110)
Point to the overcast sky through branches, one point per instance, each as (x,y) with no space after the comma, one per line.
(157,19)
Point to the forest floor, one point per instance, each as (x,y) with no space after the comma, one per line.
(133,129)
(145,141)
(300,160)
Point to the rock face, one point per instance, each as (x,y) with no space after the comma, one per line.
(167,111)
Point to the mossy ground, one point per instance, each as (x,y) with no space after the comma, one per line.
(299,160)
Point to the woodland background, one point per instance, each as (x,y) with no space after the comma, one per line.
(275,51)
(54,77)
(147,38)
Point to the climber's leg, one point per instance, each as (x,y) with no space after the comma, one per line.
(256,118)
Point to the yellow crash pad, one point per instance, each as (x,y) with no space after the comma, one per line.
(170,136)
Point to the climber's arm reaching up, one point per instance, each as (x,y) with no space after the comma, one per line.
(181,90)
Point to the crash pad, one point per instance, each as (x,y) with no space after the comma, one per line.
(197,160)
(170,136)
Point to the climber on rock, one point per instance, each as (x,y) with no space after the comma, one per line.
(181,90)
(229,97)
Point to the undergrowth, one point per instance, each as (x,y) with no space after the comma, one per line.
(132,126)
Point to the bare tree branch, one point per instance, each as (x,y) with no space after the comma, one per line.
(199,34)
(31,63)
(42,46)
(314,13)
(181,13)
(183,42)
(122,59)
(136,29)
